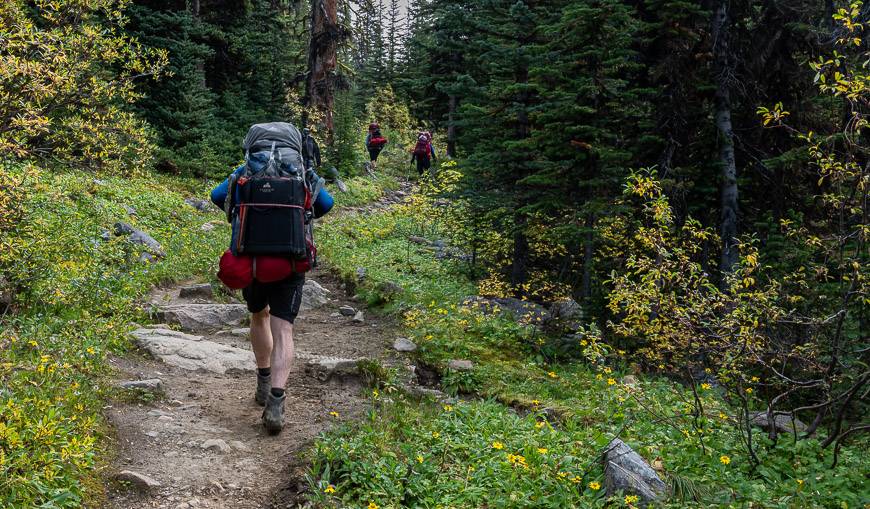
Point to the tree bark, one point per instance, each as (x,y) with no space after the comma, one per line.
(320,86)
(451,126)
(722,114)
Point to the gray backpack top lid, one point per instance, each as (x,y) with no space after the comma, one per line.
(281,134)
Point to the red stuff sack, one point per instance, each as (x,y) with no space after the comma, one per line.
(236,272)
(377,142)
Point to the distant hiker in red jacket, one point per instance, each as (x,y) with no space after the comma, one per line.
(424,152)
(375,142)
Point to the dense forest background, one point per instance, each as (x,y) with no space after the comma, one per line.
(691,178)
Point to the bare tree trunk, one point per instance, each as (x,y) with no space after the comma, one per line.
(451,126)
(722,114)
(588,253)
(320,86)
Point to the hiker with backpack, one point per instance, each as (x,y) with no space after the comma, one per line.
(271,202)
(423,152)
(375,142)
(310,150)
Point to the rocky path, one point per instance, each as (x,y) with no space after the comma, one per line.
(191,437)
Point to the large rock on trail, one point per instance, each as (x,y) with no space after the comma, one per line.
(193,353)
(204,316)
(626,470)
(313,295)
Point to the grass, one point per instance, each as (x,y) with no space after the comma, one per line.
(76,295)
(551,420)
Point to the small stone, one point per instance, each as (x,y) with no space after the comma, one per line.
(165,418)
(171,454)
(216,444)
(207,227)
(176,403)
(460,365)
(241,331)
(240,446)
(151,384)
(137,480)
(152,434)
(629,380)
(360,273)
(334,315)
(347,311)
(156,413)
(130,210)
(404,345)
(359,317)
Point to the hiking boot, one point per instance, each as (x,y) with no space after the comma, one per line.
(273,414)
(264,384)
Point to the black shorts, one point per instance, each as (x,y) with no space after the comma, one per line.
(283,297)
(374,152)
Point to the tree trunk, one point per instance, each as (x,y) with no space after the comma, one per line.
(320,86)
(722,114)
(451,126)
(588,253)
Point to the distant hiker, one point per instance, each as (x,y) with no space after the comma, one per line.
(310,150)
(424,152)
(375,142)
(271,202)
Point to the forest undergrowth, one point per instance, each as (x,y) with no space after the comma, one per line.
(529,429)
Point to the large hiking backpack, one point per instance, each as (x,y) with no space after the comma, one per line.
(421,149)
(270,202)
(377,140)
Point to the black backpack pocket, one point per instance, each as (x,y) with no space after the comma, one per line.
(272,217)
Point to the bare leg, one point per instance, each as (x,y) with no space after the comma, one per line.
(282,353)
(261,338)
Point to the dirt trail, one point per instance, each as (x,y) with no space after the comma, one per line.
(202,439)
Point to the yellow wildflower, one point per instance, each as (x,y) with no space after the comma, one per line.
(540,424)
(706,387)
(329,489)
(448,408)
(334,414)
(552,374)
(536,402)
(749,390)
(497,445)
(611,381)
(631,499)
(373,505)
(724,459)
(576,479)
(542,450)
(594,485)
(799,481)
(435,434)
(419,458)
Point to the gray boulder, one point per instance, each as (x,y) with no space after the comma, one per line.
(313,295)
(460,365)
(139,237)
(404,345)
(782,421)
(200,205)
(627,471)
(139,481)
(359,317)
(193,352)
(347,311)
(324,368)
(203,316)
(388,290)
